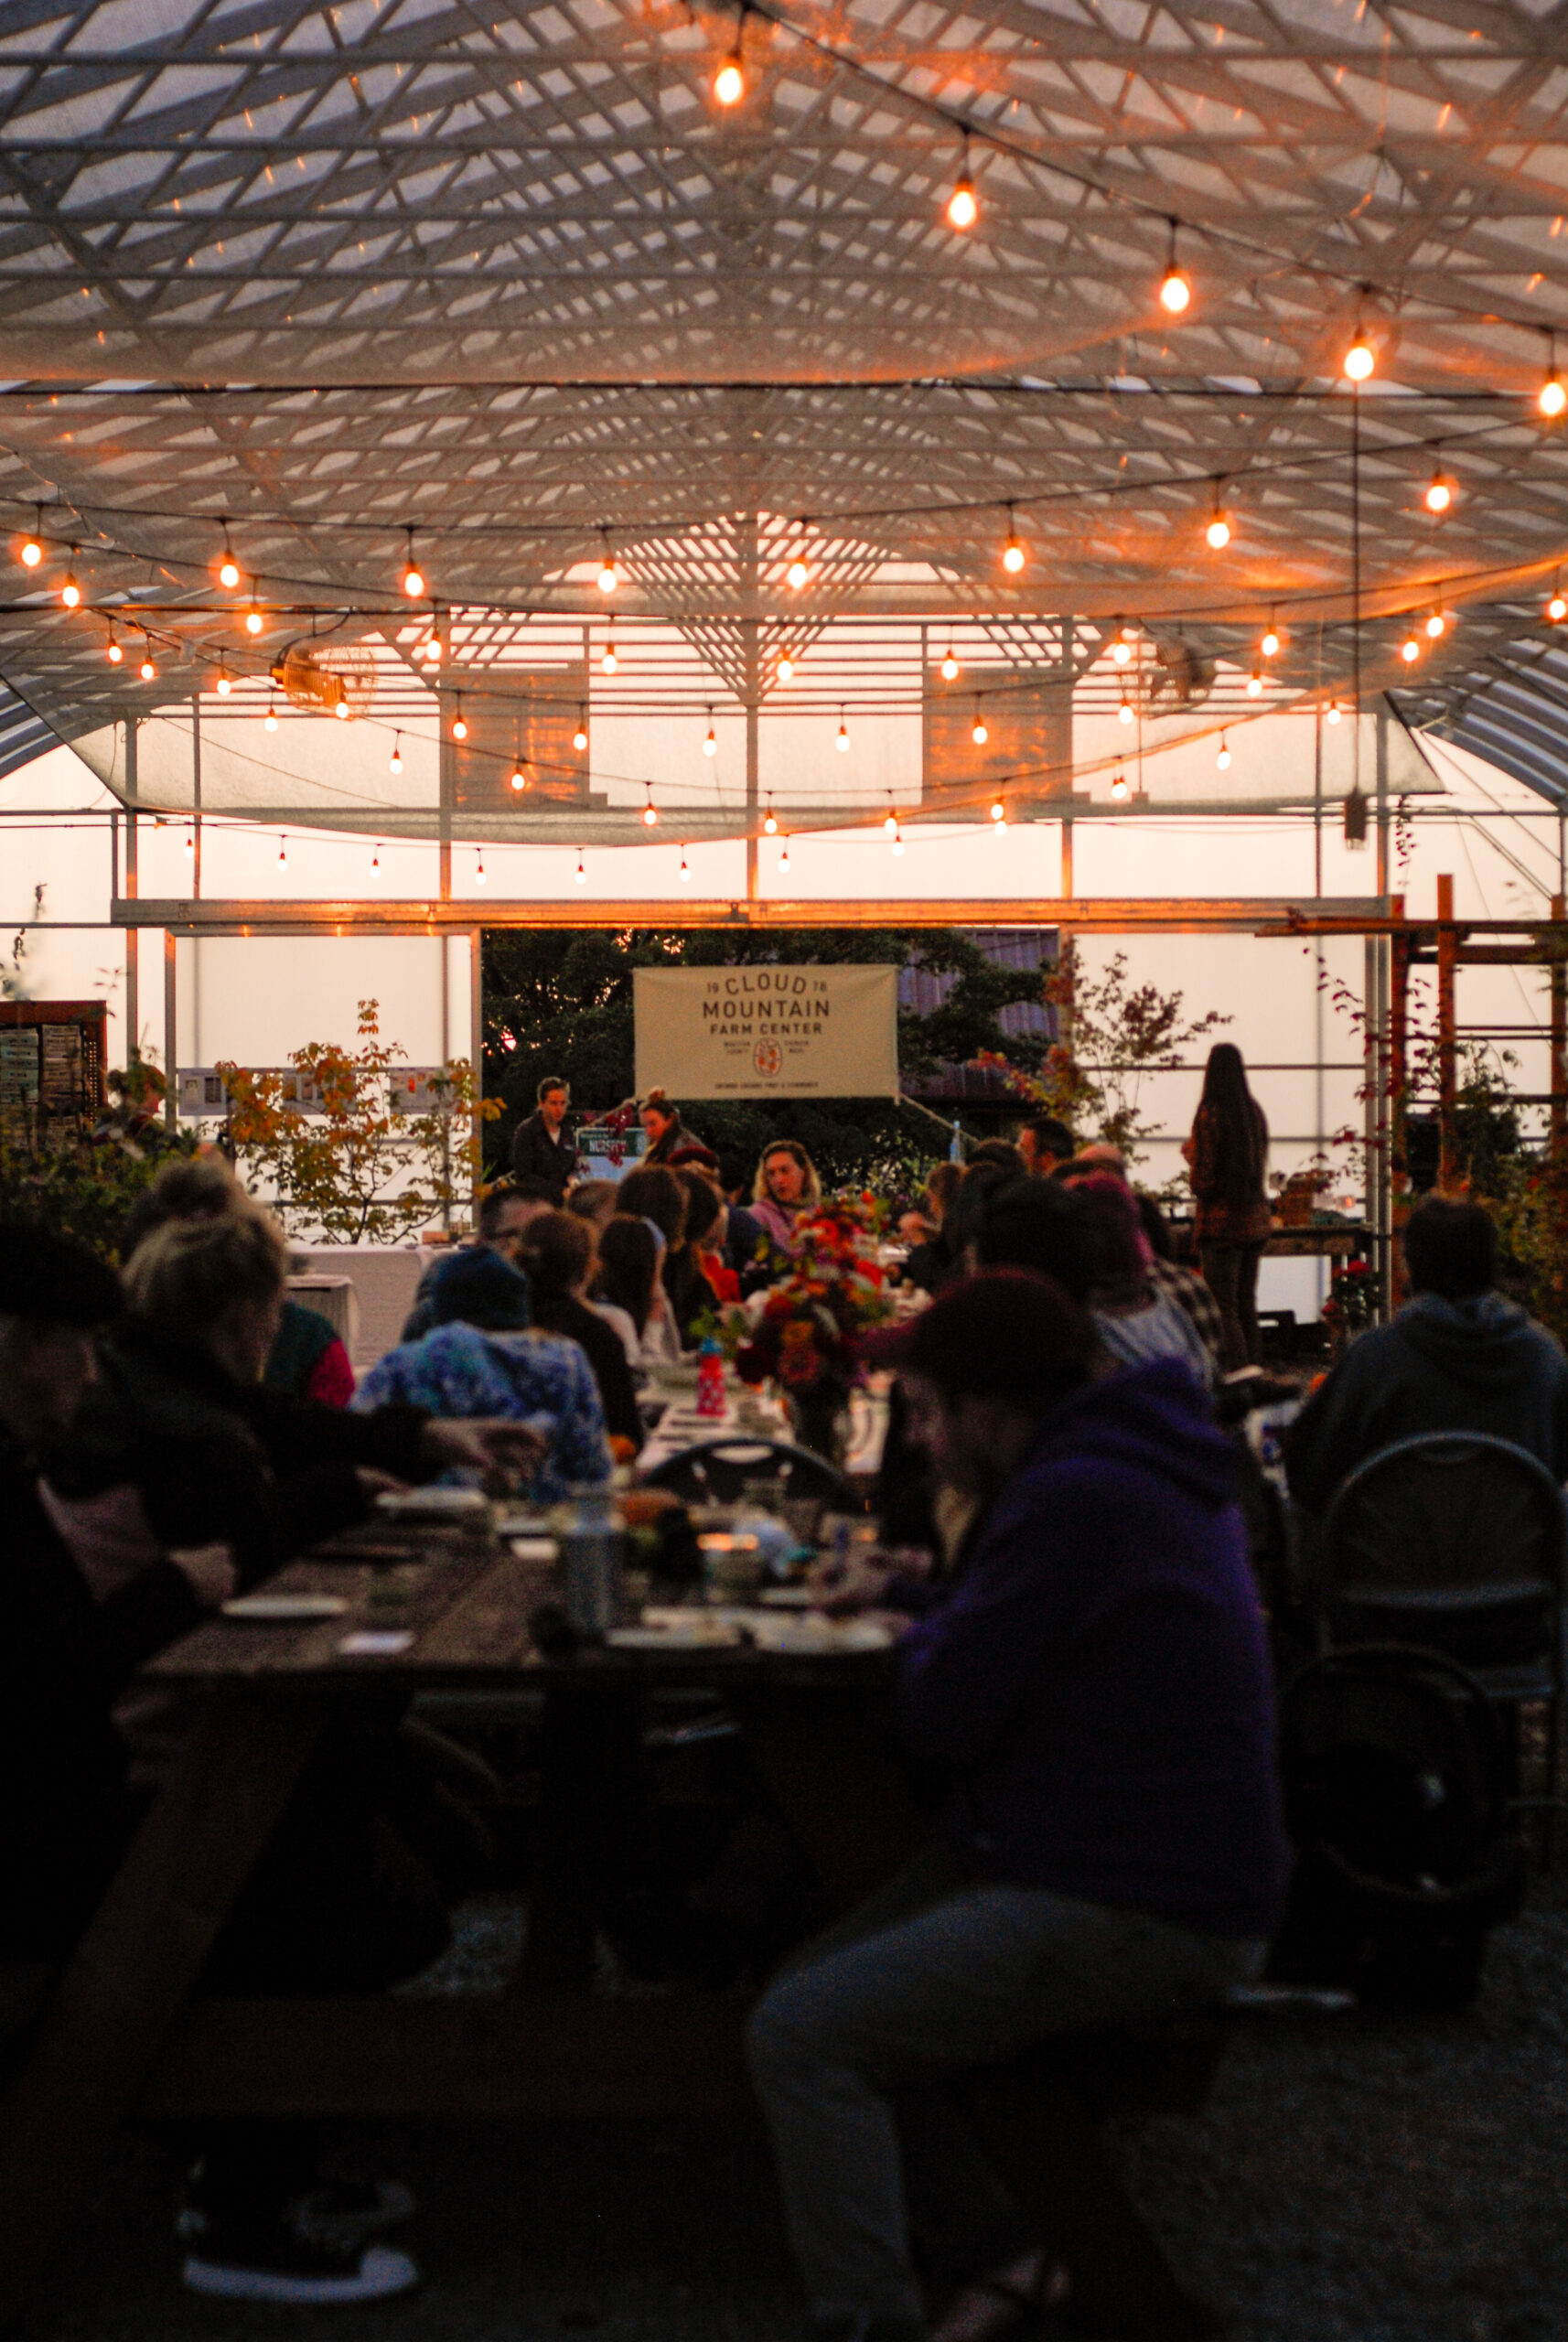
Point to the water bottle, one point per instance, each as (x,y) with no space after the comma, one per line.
(593,1542)
(710,1380)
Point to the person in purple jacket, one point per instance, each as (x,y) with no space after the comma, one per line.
(1091,1705)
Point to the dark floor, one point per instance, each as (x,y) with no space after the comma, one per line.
(1351,2182)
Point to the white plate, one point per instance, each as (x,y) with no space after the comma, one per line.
(284,1609)
(691,1634)
(814,1636)
(445,1503)
(536,1548)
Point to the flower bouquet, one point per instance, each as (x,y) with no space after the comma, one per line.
(807,1333)
(1353,1295)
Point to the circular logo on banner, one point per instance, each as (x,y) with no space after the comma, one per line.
(768,1058)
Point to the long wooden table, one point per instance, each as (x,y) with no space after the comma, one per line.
(126,2032)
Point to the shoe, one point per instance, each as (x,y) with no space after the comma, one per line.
(275,2264)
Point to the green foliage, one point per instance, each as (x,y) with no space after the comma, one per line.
(362,1169)
(82,1183)
(561,1004)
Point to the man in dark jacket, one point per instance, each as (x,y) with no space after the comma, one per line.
(1092,1704)
(1457,1357)
(542,1147)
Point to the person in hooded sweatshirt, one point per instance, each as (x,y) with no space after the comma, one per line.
(1091,1705)
(1457,1357)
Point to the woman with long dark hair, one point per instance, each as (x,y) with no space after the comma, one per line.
(1229,1156)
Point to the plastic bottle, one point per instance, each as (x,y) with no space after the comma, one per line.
(710,1380)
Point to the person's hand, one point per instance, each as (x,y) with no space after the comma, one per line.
(374,1483)
(211,1572)
(489,1444)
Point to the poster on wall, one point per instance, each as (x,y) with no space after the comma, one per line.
(767,1032)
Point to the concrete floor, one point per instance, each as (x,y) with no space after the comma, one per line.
(1350,2182)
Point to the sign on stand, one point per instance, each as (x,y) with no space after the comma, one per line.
(767,1032)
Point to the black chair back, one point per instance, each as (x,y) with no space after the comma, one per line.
(1458,1541)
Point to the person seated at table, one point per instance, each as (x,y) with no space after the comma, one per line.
(505,1211)
(593,1200)
(1001,1152)
(481,1358)
(787,1187)
(654,1193)
(1091,1706)
(706,1213)
(744,1244)
(308,1360)
(180,1443)
(627,1292)
(340,1902)
(1457,1357)
(927,1230)
(1136,1319)
(1044,1142)
(1167,1274)
(557,1256)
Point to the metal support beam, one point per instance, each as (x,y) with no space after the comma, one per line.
(171,1075)
(476,1053)
(1447,1040)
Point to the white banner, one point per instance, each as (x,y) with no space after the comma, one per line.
(767,1032)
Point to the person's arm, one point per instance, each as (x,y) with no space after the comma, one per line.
(582,1449)
(330,1382)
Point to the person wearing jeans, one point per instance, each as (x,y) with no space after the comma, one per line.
(1091,1705)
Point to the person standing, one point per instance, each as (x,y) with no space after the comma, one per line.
(1228,1154)
(542,1148)
(665,1132)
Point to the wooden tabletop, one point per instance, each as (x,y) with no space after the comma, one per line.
(467,1609)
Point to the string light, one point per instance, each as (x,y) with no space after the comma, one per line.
(479,869)
(1269,645)
(998,810)
(253,615)
(1119,788)
(341,710)
(950,667)
(376,857)
(1218,530)
(786,667)
(225,683)
(784,857)
(1121,648)
(610,575)
(650,810)
(963,203)
(841,742)
(582,874)
(1410,649)
(1439,493)
(1552,398)
(228,568)
(1124,713)
(1223,758)
(890,819)
(1334,711)
(710,744)
(70,592)
(430,648)
(1175,291)
(1012,552)
(395,761)
(897,841)
(1001,822)
(282,855)
(190,838)
(270,720)
(580,736)
(977,731)
(685,873)
(459,724)
(113,654)
(32,547)
(729,81)
(148,671)
(1435,625)
(799,569)
(609,663)
(1361,360)
(519,779)
(769,824)
(1557,608)
(1255,684)
(413,577)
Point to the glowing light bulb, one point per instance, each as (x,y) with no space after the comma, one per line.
(113,654)
(376,859)
(685,873)
(1439,495)
(228,568)
(430,651)
(1552,398)
(784,855)
(147,670)
(1269,645)
(610,575)
(1254,685)
(519,779)
(1121,650)
(998,810)
(341,711)
(650,816)
(963,205)
(413,577)
(190,839)
(70,592)
(786,668)
(769,825)
(580,736)
(283,855)
(1011,554)
(798,572)
(889,824)
(1175,291)
(253,615)
(710,744)
(1334,711)
(950,667)
(32,553)
(225,683)
(1124,713)
(1409,649)
(729,81)
(270,720)
(459,725)
(1119,788)
(897,841)
(1435,625)
(1223,758)
(978,733)
(1218,532)
(1361,360)
(1557,608)
(582,874)
(395,763)
(609,663)
(479,871)
(841,744)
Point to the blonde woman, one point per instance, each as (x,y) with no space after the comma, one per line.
(787,1188)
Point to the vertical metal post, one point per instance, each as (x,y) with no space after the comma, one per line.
(753,750)
(171,1054)
(1399,1075)
(1447,1037)
(195,793)
(132,935)
(1558,981)
(477,1056)
(446,950)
